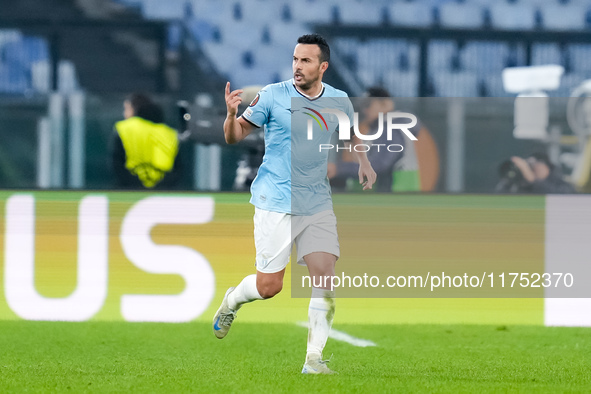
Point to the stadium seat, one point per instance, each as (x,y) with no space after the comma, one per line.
(487,57)
(441,54)
(378,54)
(250,76)
(346,45)
(130,3)
(285,73)
(237,13)
(563,17)
(13,79)
(263,11)
(369,77)
(212,11)
(242,34)
(355,13)
(9,35)
(247,59)
(402,83)
(202,30)
(539,3)
(409,59)
(272,56)
(584,3)
(476,2)
(458,84)
(546,53)
(580,57)
(224,57)
(461,15)
(287,33)
(517,55)
(347,48)
(515,16)
(164,10)
(314,12)
(413,14)
(25,51)
(266,58)
(27,66)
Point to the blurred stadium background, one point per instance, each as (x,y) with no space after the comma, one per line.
(66,66)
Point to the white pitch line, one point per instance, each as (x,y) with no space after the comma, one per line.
(343,336)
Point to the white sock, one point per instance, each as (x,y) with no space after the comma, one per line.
(244,293)
(320,316)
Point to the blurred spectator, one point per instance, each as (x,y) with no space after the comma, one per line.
(144,151)
(535,174)
(384,162)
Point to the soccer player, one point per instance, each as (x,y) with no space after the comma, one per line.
(291,210)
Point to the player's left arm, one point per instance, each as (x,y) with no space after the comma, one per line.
(367,175)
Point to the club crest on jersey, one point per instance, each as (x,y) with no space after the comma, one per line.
(255,100)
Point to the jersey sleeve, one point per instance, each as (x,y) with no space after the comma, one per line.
(259,109)
(349,110)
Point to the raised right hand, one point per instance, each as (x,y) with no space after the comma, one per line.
(233,100)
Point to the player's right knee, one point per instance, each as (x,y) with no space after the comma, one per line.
(269,289)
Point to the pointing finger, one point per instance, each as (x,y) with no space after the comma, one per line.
(236,92)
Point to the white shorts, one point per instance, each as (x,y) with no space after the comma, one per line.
(275,234)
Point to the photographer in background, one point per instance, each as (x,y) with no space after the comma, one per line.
(536,174)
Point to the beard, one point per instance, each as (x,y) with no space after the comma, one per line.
(305,83)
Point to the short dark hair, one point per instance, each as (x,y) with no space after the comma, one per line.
(377,91)
(374,93)
(145,108)
(317,39)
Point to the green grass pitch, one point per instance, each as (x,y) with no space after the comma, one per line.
(142,357)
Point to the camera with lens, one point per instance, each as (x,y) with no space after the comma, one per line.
(202,124)
(511,178)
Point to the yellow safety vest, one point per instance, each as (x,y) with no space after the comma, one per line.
(150,148)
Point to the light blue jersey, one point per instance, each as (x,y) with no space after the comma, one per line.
(292,178)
